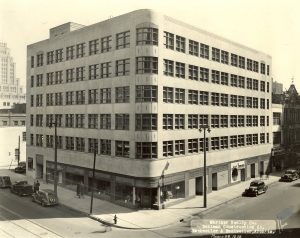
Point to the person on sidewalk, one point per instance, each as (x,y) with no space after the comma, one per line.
(36,186)
(78,190)
(82,189)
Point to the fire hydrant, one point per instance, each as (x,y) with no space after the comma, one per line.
(115,219)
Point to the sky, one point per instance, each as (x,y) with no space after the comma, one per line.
(270,26)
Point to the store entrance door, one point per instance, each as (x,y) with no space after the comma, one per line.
(199,185)
(252,170)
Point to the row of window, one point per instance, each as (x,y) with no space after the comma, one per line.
(212,98)
(179,43)
(148,93)
(144,36)
(148,150)
(149,121)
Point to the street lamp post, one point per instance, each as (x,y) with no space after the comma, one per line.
(204,128)
(55,155)
(93,181)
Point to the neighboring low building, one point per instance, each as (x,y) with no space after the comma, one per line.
(12,126)
(136,88)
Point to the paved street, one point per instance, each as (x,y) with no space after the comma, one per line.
(281,198)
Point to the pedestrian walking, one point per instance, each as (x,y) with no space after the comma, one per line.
(78,190)
(82,189)
(36,186)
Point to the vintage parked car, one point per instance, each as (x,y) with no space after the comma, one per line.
(22,188)
(21,168)
(289,175)
(256,187)
(45,197)
(5,182)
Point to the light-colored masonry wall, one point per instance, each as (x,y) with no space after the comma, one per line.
(131,166)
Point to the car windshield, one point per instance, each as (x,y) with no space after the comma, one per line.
(254,184)
(289,171)
(51,195)
(22,182)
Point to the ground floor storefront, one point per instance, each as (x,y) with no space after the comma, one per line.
(158,192)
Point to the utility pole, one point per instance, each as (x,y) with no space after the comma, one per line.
(19,152)
(204,128)
(55,155)
(93,181)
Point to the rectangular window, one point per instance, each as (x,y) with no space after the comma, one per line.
(50,57)
(39,80)
(122,94)
(268,70)
(39,61)
(204,51)
(59,77)
(69,120)
(233,100)
(204,98)
(50,78)
(224,78)
(193,48)
(262,103)
(147,36)
(180,70)
(234,60)
(70,73)
(241,82)
(255,66)
(70,143)
(106,44)
(249,121)
(255,84)
(32,61)
(179,147)
(49,141)
(215,54)
(203,120)
(262,138)
(193,121)
(70,52)
(105,121)
(193,97)
(79,119)
(215,76)
(122,67)
(169,40)
(122,148)
(255,120)
(80,144)
(39,140)
(233,121)
(215,143)
(146,93)
(262,86)
(105,70)
(105,95)
(224,100)
(180,95)
(204,74)
(241,101)
(233,141)
(168,121)
(224,142)
(241,140)
(93,121)
(49,99)
(80,97)
(262,68)
(215,99)
(276,118)
(123,40)
(262,120)
(58,55)
(179,121)
(93,47)
(167,148)
(193,146)
(201,144)
(105,147)
(168,95)
(145,122)
(92,145)
(224,57)
(146,150)
(255,139)
(80,73)
(93,71)
(224,121)
(146,65)
(93,96)
(233,80)
(122,121)
(241,62)
(168,67)
(180,44)
(249,83)
(215,121)
(80,50)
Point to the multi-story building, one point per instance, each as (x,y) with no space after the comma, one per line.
(136,88)
(11,92)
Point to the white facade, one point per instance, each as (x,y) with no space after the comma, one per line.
(11,91)
(156,58)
